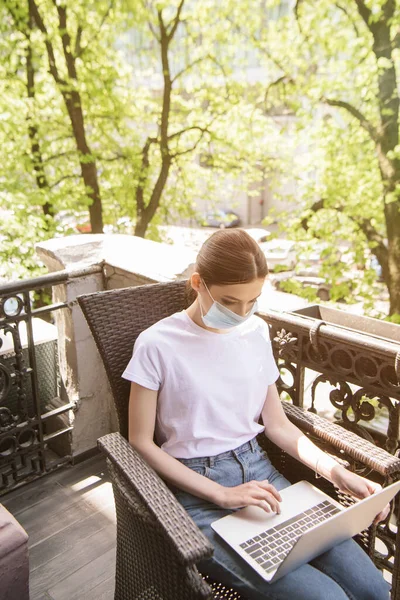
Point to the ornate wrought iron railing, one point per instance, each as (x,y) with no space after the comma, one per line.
(353,365)
(35,420)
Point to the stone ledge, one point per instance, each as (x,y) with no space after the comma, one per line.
(124,253)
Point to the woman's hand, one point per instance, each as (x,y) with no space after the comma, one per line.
(253,493)
(359,487)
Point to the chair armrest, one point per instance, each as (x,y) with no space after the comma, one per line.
(350,443)
(190,543)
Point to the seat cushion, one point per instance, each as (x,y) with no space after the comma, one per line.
(14,563)
(12,535)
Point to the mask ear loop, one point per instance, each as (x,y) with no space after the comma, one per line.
(209,293)
(198,297)
(201,309)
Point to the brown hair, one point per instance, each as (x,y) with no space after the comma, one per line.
(229,256)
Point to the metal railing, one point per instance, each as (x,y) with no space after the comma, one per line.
(355,372)
(35,419)
(361,369)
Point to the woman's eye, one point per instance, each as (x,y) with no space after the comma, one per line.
(230,303)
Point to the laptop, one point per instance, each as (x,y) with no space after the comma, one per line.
(310,523)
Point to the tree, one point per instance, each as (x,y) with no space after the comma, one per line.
(24,24)
(72,70)
(67,86)
(144,106)
(343,56)
(196,138)
(164,33)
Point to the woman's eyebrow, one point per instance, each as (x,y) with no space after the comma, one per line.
(237,299)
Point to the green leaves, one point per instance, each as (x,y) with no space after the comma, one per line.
(347,167)
(241,94)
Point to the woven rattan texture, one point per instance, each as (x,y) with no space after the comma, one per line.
(148,564)
(176,524)
(353,445)
(116,318)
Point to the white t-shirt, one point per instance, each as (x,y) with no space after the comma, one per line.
(212,386)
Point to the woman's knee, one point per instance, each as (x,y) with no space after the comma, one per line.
(305,583)
(354,571)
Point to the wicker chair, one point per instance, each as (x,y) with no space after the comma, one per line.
(158,544)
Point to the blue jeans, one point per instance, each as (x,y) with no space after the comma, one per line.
(344,572)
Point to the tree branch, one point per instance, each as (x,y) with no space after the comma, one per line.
(143,176)
(272,58)
(63,179)
(282,79)
(78,53)
(49,47)
(387,166)
(148,6)
(153,31)
(367,125)
(171,32)
(380,29)
(58,155)
(365,13)
(346,12)
(66,39)
(396,40)
(297,17)
(166,101)
(319,205)
(188,150)
(190,66)
(78,39)
(182,131)
(20,24)
(25,28)
(389,9)
(371,234)
(296,8)
(191,149)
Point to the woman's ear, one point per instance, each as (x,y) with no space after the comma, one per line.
(195,281)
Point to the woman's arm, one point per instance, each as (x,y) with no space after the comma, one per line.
(142,417)
(287,436)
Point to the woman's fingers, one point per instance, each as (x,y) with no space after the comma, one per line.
(253,493)
(382,515)
(360,487)
(264,505)
(356,486)
(373,486)
(268,503)
(266,496)
(352,491)
(269,488)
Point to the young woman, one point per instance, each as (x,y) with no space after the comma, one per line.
(201,380)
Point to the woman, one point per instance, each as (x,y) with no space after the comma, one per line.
(201,380)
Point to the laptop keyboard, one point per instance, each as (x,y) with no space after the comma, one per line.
(270,547)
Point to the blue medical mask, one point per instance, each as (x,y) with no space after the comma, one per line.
(220,317)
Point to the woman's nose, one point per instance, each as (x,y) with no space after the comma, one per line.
(242,311)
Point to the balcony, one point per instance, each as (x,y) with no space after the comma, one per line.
(52,479)
(70,519)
